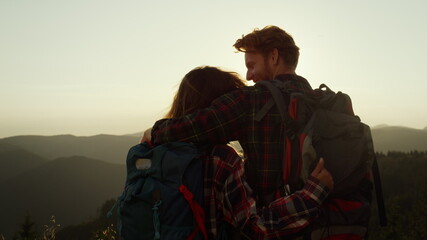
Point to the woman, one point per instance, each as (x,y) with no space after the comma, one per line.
(228,202)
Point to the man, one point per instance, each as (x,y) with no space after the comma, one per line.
(270,53)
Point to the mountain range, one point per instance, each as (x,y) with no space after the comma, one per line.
(109,148)
(70,177)
(70,188)
(404,139)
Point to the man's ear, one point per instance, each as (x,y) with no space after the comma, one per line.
(275,56)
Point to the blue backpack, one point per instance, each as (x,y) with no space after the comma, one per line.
(163,195)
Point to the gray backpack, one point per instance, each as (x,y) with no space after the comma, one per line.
(318,124)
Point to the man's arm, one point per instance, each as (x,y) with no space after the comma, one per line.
(287,215)
(283,216)
(219,123)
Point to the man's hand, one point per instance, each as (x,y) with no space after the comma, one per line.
(147,136)
(323,175)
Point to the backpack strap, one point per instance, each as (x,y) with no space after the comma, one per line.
(198,212)
(291,149)
(264,110)
(277,90)
(277,97)
(156,219)
(379,193)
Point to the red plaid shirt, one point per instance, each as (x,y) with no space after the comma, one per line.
(228,198)
(231,117)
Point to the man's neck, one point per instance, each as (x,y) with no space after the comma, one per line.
(290,71)
(282,69)
(287,72)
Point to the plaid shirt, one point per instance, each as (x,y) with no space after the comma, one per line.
(231,117)
(228,198)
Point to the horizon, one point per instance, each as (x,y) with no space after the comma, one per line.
(139,134)
(87,68)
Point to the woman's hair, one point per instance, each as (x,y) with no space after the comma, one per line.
(200,87)
(267,39)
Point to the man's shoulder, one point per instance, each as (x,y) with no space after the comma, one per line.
(286,85)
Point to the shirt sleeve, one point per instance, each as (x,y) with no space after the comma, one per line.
(292,213)
(284,216)
(219,123)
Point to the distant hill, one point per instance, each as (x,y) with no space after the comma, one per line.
(14,160)
(388,138)
(109,148)
(391,138)
(113,148)
(70,188)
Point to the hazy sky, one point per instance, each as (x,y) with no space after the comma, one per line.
(87,67)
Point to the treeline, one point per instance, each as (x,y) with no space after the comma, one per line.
(396,154)
(101,227)
(404,181)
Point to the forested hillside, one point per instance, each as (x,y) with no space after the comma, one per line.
(69,188)
(402,139)
(108,148)
(404,181)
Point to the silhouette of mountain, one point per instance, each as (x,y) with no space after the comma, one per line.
(14,160)
(388,138)
(4,147)
(70,188)
(137,134)
(404,139)
(113,148)
(109,148)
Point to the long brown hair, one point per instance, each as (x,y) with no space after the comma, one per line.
(200,87)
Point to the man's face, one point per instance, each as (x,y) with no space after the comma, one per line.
(258,68)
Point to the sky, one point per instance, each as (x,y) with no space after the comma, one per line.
(86,67)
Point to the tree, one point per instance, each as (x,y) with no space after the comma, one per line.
(419,214)
(28,229)
(101,227)
(405,190)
